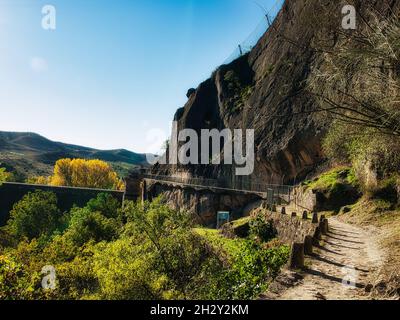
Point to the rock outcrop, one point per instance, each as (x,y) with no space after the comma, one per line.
(265,90)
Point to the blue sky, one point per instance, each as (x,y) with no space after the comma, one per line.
(113,73)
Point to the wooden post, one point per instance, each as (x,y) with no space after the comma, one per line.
(315,217)
(308,245)
(305,215)
(325,228)
(322,227)
(317,234)
(297,256)
(283,211)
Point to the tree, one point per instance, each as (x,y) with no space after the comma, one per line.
(40,180)
(357,80)
(4,175)
(85,173)
(86,225)
(35,215)
(106,204)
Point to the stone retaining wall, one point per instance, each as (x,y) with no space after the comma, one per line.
(292,229)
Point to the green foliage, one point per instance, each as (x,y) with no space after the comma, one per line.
(177,252)
(252,269)
(76,278)
(239,93)
(365,149)
(4,175)
(15,282)
(250,265)
(387,191)
(261,229)
(86,225)
(35,215)
(156,254)
(130,277)
(333,180)
(106,204)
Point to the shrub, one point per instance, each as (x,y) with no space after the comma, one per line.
(4,175)
(261,229)
(387,191)
(106,204)
(15,282)
(77,279)
(251,270)
(35,215)
(86,225)
(125,270)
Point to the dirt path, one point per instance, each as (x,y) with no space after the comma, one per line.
(349,253)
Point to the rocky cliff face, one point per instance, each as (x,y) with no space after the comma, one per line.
(264,91)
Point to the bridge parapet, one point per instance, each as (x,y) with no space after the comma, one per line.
(270,192)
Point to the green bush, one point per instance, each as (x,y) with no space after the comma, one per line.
(86,225)
(365,149)
(106,204)
(4,175)
(36,215)
(250,272)
(262,229)
(387,191)
(15,282)
(157,254)
(248,266)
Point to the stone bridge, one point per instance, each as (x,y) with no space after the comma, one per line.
(205,197)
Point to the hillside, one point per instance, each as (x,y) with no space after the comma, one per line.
(29,154)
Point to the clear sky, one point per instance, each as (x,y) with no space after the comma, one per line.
(113,73)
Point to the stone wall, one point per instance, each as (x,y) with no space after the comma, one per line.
(292,229)
(305,199)
(202,203)
(10,193)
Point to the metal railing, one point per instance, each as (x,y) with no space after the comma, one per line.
(284,192)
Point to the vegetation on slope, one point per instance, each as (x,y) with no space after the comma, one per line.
(141,251)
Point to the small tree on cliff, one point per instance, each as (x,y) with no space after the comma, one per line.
(86,174)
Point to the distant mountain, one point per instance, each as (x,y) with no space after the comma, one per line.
(28,154)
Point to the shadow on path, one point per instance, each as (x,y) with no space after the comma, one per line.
(356,242)
(329,277)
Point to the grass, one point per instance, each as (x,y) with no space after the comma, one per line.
(240,222)
(232,247)
(332,179)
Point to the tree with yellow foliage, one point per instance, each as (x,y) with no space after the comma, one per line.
(39,180)
(85,173)
(4,175)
